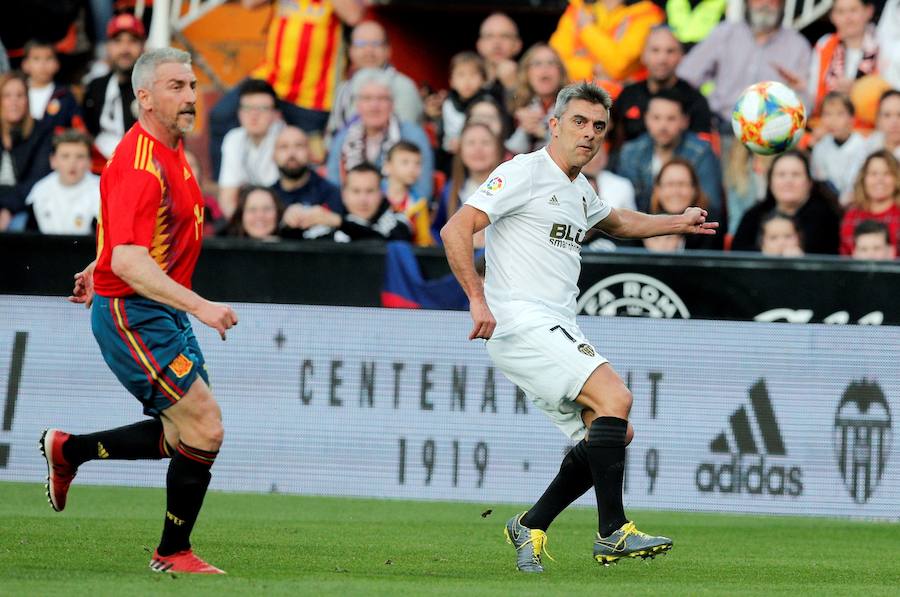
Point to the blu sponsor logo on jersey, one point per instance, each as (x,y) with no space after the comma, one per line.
(566,236)
(632,295)
(862,438)
(755,467)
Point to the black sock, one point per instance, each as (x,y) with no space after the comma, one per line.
(606,454)
(186,484)
(572,480)
(139,441)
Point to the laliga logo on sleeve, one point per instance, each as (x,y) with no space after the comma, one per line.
(632,295)
(493,185)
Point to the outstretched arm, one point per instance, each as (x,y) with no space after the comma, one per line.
(457,236)
(625,223)
(134,265)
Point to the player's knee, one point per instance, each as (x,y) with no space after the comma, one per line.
(629,434)
(624,399)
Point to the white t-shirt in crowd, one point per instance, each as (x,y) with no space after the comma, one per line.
(538,220)
(38,100)
(61,209)
(244,162)
(831,161)
(616,190)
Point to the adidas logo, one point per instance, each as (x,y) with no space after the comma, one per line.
(554,200)
(751,437)
(101,451)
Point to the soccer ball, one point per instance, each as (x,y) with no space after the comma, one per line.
(768,118)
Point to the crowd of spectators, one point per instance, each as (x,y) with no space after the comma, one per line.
(327,139)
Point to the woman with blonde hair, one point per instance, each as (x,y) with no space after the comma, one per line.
(541,76)
(876,196)
(25,146)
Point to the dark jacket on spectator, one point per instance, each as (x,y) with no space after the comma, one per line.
(95,96)
(30,161)
(316,191)
(628,113)
(63,111)
(384,225)
(818,222)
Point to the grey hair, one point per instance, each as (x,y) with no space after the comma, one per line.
(368,76)
(580,91)
(144,72)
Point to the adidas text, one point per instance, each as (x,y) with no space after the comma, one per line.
(749,475)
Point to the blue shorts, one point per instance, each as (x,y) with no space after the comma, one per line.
(150,348)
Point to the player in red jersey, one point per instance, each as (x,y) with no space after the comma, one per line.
(139,288)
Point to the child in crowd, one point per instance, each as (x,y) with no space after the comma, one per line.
(401,170)
(872,240)
(66,201)
(779,236)
(46,99)
(468,75)
(839,146)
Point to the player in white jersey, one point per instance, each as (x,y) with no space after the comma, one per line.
(537,209)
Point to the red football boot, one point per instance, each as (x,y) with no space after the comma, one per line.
(59,472)
(183,562)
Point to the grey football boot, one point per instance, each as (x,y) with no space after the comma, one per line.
(530,544)
(628,542)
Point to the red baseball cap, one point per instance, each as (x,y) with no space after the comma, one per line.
(125,22)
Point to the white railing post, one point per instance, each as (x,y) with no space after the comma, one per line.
(159,35)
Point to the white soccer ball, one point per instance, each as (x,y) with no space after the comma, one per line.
(768,118)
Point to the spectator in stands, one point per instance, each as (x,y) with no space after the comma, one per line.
(499,44)
(876,196)
(487,111)
(613,189)
(257,214)
(25,146)
(480,151)
(368,213)
(377,129)
(745,176)
(214,221)
(871,241)
(886,136)
(792,191)
(889,43)
(604,39)
(247,151)
(541,76)
(668,136)
(110,108)
(66,201)
(851,52)
(675,189)
(401,170)
(738,54)
(839,146)
(662,55)
(692,20)
(779,236)
(46,99)
(304,62)
(370,48)
(298,185)
(468,76)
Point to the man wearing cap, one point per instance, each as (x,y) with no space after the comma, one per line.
(109,104)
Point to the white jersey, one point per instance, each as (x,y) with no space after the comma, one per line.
(538,221)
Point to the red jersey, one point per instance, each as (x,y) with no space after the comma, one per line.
(148,197)
(889,217)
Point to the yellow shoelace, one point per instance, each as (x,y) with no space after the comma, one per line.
(628,529)
(538,542)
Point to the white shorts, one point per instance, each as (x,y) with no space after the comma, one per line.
(550,360)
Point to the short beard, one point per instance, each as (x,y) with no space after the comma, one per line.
(764,21)
(293,173)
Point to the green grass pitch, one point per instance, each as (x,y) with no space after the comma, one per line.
(295,545)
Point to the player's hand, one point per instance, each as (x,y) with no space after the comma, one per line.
(694,222)
(83,293)
(483,320)
(219,316)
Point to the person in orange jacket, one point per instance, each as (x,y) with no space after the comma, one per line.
(603,39)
